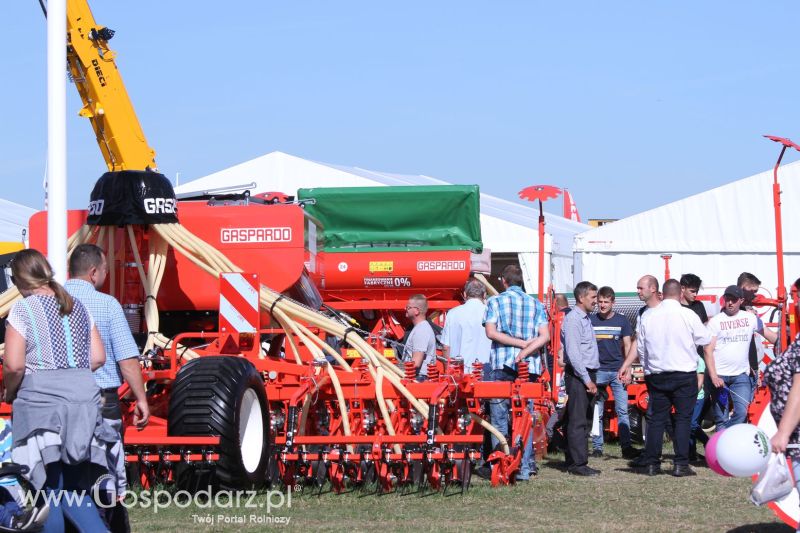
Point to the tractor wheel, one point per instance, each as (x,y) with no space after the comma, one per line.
(637,424)
(224,396)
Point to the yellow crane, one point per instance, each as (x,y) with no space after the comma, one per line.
(106,104)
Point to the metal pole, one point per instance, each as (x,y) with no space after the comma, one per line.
(541,252)
(57,137)
(666,258)
(776,200)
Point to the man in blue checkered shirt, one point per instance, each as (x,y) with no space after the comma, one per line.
(517,325)
(88,269)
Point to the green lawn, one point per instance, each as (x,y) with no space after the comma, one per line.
(617,500)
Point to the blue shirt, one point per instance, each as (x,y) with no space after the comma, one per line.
(609,333)
(113,329)
(517,314)
(580,346)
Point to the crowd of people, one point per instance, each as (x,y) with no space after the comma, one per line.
(69,348)
(692,364)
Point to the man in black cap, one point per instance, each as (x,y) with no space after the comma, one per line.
(727,356)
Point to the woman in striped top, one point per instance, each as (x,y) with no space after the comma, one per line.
(52,347)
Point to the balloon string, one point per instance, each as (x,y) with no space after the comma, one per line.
(737,395)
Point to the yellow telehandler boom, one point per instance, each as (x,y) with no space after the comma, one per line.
(105,101)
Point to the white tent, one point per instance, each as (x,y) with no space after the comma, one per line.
(14,222)
(716,234)
(506,227)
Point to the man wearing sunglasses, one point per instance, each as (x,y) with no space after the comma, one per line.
(727,356)
(420,346)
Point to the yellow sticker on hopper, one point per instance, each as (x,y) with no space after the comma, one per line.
(381,266)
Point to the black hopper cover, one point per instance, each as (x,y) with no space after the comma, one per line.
(132,197)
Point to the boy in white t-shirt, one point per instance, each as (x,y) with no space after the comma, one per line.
(727,356)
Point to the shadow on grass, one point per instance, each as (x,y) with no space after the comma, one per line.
(762,528)
(641,471)
(554,464)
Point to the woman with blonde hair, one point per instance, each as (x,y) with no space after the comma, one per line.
(52,348)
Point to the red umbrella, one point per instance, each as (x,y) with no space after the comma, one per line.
(786,142)
(542,193)
(539,192)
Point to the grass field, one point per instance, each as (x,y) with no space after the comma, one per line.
(617,500)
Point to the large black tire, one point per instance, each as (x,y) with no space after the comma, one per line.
(638,425)
(224,396)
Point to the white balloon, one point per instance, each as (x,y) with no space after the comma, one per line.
(743,450)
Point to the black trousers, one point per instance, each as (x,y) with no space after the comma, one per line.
(579,412)
(668,390)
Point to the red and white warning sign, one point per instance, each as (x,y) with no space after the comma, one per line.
(238,302)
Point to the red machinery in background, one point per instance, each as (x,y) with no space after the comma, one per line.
(242,415)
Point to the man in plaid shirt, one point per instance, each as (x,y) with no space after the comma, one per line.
(88,269)
(517,325)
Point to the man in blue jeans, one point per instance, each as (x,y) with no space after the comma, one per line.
(517,325)
(613,334)
(727,356)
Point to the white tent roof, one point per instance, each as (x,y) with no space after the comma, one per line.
(13,221)
(506,226)
(734,218)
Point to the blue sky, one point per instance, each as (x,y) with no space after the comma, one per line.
(628,104)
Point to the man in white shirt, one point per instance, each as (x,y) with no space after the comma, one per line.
(667,345)
(727,356)
(464,335)
(647,290)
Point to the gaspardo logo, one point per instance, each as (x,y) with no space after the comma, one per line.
(255,235)
(96,207)
(159,205)
(432,266)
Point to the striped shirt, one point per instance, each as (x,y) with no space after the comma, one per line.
(517,314)
(52,341)
(113,329)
